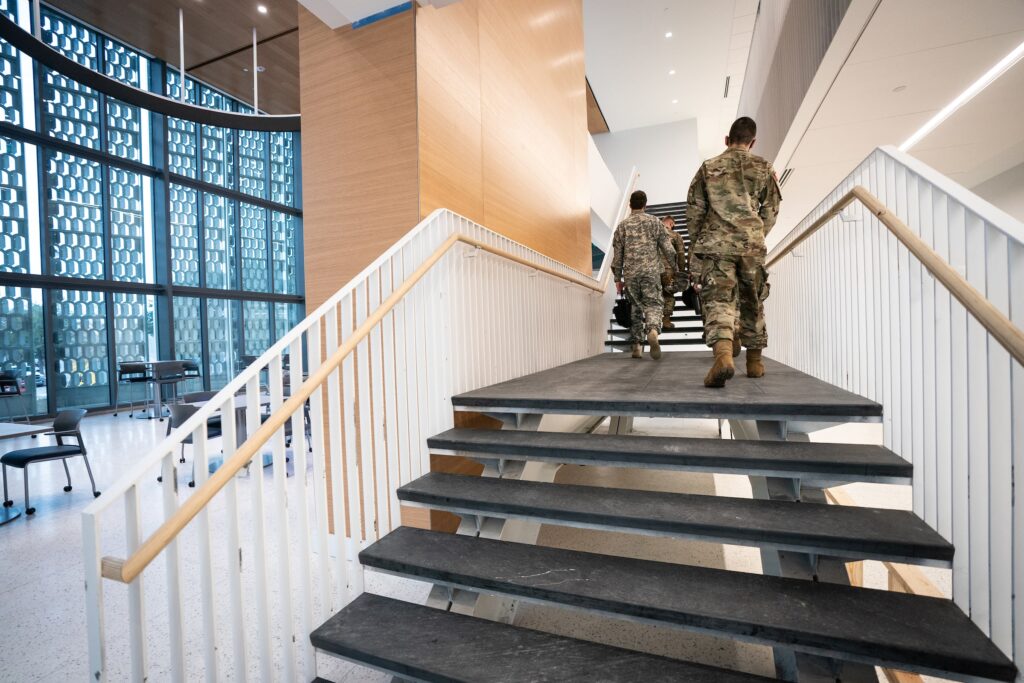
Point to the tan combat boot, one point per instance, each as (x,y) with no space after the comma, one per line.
(736,347)
(638,351)
(723,369)
(667,324)
(755,366)
(652,339)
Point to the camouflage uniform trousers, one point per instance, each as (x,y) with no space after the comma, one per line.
(668,292)
(733,290)
(644,292)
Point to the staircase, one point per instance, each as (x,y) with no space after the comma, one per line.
(689,328)
(820,629)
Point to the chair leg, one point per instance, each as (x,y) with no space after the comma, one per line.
(7,499)
(29,510)
(182,458)
(192,483)
(68,473)
(95,493)
(117,391)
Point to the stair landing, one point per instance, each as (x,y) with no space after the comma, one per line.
(616,384)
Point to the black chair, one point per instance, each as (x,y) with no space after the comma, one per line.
(64,426)
(132,374)
(180,413)
(12,387)
(167,373)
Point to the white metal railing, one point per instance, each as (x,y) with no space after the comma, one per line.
(269,557)
(850,304)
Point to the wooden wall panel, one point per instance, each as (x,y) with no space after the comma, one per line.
(359,146)
(520,109)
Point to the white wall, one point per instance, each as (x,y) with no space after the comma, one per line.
(665,155)
(1005,190)
(605,196)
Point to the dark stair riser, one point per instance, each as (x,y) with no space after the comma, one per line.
(893,630)
(436,645)
(847,532)
(836,462)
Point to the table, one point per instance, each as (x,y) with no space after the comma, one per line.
(9,430)
(241,405)
(153,368)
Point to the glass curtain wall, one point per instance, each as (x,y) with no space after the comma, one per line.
(128,235)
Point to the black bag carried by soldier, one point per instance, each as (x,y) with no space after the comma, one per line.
(691,299)
(623,311)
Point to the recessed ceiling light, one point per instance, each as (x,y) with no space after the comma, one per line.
(675,101)
(668,34)
(262,9)
(1001,67)
(671,72)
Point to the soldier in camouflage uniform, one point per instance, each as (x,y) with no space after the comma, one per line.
(670,276)
(638,267)
(732,204)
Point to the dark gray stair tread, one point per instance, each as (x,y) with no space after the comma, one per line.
(692,341)
(896,630)
(688,318)
(615,384)
(434,645)
(834,530)
(838,462)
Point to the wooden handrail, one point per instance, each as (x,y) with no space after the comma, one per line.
(992,319)
(126,570)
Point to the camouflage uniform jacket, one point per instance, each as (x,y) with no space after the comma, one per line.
(637,240)
(732,204)
(678,264)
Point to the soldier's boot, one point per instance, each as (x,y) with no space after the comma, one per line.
(755,366)
(667,324)
(736,347)
(723,369)
(652,339)
(638,351)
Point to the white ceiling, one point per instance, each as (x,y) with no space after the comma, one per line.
(935,48)
(628,62)
(336,13)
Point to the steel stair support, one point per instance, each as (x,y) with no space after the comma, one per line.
(493,607)
(789,665)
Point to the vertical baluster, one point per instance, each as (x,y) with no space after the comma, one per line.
(136,604)
(259,546)
(978,433)
(943,455)
(201,470)
(334,427)
(958,416)
(91,557)
(175,627)
(286,626)
(929,426)
(414,440)
(233,546)
(378,448)
(392,445)
(319,483)
(1000,421)
(304,485)
(364,401)
(421,462)
(916,346)
(401,402)
(352,481)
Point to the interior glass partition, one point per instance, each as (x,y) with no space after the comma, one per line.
(130,235)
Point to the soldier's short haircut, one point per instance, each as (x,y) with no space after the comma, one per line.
(638,200)
(742,131)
